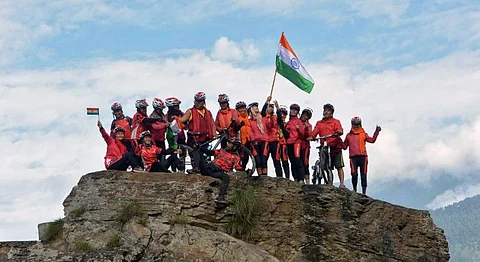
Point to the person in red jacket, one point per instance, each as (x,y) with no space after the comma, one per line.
(226,160)
(158,128)
(259,126)
(305,147)
(273,135)
(200,121)
(138,125)
(152,155)
(125,122)
(226,119)
(358,152)
(282,155)
(245,130)
(331,126)
(173,105)
(295,130)
(117,156)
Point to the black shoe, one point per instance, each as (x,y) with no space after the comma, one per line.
(193,171)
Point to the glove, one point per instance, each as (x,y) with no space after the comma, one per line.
(242,123)
(378,129)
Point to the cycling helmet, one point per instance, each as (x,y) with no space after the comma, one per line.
(223,98)
(240,104)
(118,129)
(200,96)
(116,106)
(308,110)
(283,109)
(158,103)
(141,103)
(145,134)
(295,106)
(252,105)
(329,107)
(357,121)
(172,101)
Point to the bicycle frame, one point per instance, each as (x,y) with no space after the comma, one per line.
(322,167)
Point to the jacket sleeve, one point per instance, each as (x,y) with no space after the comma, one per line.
(238,164)
(168,151)
(217,123)
(270,122)
(264,110)
(105,136)
(338,126)
(371,139)
(346,142)
(316,130)
(112,127)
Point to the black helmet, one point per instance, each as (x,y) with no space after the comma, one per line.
(145,134)
(357,121)
(252,105)
(329,107)
(295,106)
(240,104)
(308,111)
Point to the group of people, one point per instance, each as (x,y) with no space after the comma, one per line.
(270,131)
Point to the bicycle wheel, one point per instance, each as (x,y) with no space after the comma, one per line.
(315,177)
(247,156)
(186,159)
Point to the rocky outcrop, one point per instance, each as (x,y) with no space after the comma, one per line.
(121,216)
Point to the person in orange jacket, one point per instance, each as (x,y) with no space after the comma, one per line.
(282,155)
(117,156)
(355,141)
(152,155)
(305,144)
(226,119)
(125,122)
(268,111)
(245,136)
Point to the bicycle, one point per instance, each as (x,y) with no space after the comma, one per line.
(322,168)
(241,150)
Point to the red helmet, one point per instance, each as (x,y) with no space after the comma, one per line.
(116,106)
(158,103)
(118,129)
(240,104)
(356,121)
(145,134)
(172,101)
(141,103)
(223,98)
(200,96)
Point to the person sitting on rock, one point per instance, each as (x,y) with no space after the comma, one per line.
(358,152)
(117,156)
(152,155)
(119,119)
(226,160)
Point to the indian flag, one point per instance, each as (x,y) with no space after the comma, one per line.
(93,111)
(289,66)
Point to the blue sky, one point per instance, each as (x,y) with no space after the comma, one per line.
(411,66)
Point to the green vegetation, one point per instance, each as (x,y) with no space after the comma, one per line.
(53,230)
(246,207)
(142,220)
(113,242)
(82,245)
(460,222)
(78,212)
(180,219)
(128,211)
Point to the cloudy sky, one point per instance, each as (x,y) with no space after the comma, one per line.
(412,67)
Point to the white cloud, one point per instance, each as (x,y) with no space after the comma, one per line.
(454,195)
(227,50)
(370,8)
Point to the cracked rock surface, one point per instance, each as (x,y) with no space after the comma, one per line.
(179,222)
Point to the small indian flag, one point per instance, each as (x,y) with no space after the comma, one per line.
(289,66)
(93,111)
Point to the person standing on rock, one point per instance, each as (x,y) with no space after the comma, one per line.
(226,119)
(331,126)
(355,141)
(245,134)
(268,111)
(152,155)
(259,126)
(201,127)
(158,128)
(117,156)
(305,146)
(295,130)
(282,155)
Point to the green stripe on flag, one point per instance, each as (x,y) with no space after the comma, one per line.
(293,76)
(93,113)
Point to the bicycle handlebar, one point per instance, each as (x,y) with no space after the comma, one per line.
(324,137)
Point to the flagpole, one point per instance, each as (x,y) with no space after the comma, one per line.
(273,83)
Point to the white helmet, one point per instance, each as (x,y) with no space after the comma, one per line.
(158,103)
(172,101)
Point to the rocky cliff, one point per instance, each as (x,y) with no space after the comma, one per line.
(121,216)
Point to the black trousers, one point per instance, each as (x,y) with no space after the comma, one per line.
(260,157)
(212,170)
(128,159)
(163,164)
(272,151)
(298,170)
(357,162)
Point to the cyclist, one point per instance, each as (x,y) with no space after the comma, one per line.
(282,155)
(273,138)
(173,105)
(125,122)
(152,155)
(305,146)
(226,116)
(200,120)
(158,128)
(327,126)
(295,130)
(138,125)
(245,136)
(226,160)
(355,141)
(258,129)
(117,156)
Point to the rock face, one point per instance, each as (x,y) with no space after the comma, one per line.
(175,219)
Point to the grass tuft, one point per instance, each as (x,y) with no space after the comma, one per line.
(78,212)
(82,245)
(246,207)
(113,242)
(128,211)
(53,230)
(180,219)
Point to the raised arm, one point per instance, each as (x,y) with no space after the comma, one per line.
(375,135)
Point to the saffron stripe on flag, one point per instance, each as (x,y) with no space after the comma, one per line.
(92,111)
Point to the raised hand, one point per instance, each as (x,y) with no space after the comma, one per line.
(269,98)
(99,124)
(378,129)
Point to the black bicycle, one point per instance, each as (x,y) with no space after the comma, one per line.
(241,151)
(322,168)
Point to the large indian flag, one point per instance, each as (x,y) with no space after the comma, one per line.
(289,66)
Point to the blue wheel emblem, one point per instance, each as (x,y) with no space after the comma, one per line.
(294,63)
